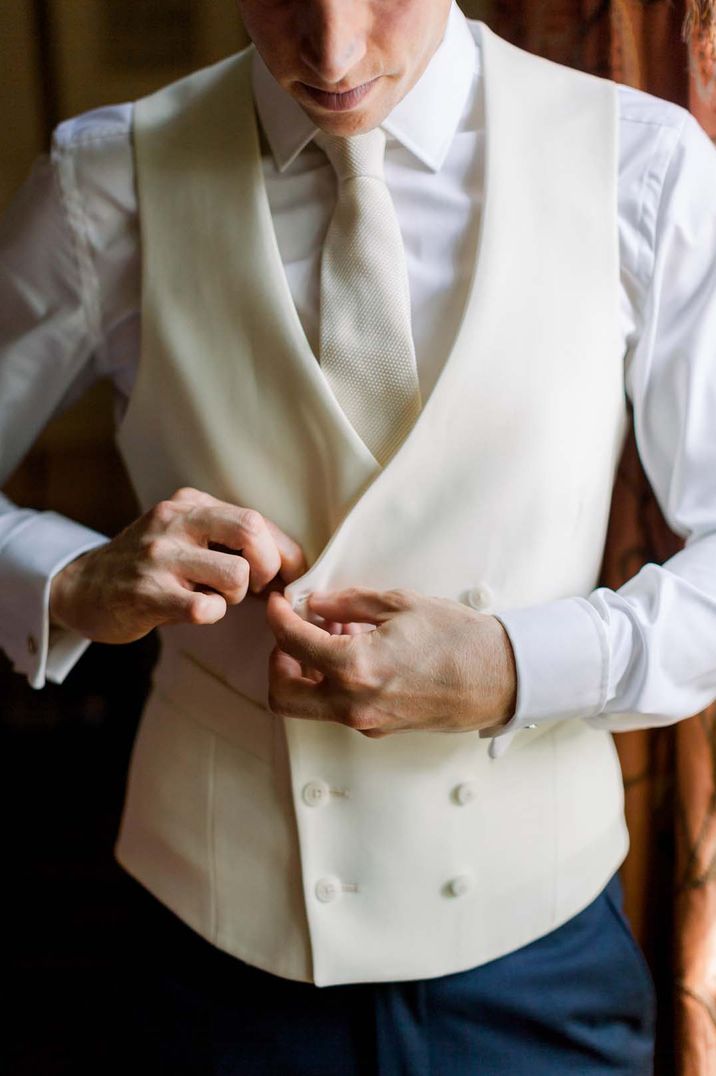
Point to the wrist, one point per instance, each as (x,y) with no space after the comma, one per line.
(506,676)
(60,591)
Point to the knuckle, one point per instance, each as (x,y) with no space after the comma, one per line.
(261,577)
(252,521)
(185,493)
(162,514)
(399,598)
(354,671)
(198,610)
(195,612)
(356,718)
(293,554)
(350,717)
(154,549)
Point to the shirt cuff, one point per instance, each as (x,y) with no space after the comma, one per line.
(33,554)
(562,658)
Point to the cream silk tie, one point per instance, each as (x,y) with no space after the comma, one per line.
(366,343)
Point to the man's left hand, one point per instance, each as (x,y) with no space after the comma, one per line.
(389,661)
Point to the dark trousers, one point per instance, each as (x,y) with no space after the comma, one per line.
(579,1001)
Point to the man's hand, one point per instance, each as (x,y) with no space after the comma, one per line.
(427,663)
(186,559)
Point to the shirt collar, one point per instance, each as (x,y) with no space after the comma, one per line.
(425,121)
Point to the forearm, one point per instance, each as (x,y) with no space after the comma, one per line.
(636,657)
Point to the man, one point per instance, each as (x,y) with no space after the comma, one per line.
(353,558)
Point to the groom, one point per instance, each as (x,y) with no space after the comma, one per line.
(334,601)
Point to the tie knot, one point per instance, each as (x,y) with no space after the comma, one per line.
(358,155)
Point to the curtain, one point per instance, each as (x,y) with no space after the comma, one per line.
(669,773)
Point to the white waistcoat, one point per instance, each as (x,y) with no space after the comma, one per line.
(303,847)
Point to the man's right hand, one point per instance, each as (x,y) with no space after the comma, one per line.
(185,560)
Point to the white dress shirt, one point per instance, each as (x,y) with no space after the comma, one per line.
(69,310)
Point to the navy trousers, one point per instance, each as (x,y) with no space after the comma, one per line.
(579,1001)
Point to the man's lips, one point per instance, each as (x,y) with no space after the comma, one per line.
(339,102)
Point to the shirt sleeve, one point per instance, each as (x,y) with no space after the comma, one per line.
(645,654)
(48,337)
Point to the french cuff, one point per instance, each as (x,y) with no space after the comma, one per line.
(562,659)
(32,556)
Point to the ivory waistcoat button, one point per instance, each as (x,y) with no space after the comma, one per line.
(480,596)
(465,793)
(315,793)
(328,889)
(461,885)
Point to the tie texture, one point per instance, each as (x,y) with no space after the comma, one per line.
(366,343)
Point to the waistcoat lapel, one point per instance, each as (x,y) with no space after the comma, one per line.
(225,362)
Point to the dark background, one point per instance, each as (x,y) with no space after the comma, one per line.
(65,749)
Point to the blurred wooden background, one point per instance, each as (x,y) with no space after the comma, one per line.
(65,750)
(59,58)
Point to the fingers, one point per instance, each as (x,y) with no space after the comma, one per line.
(177,604)
(291,693)
(226,573)
(203,608)
(240,529)
(293,561)
(307,643)
(360,604)
(268,550)
(355,629)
